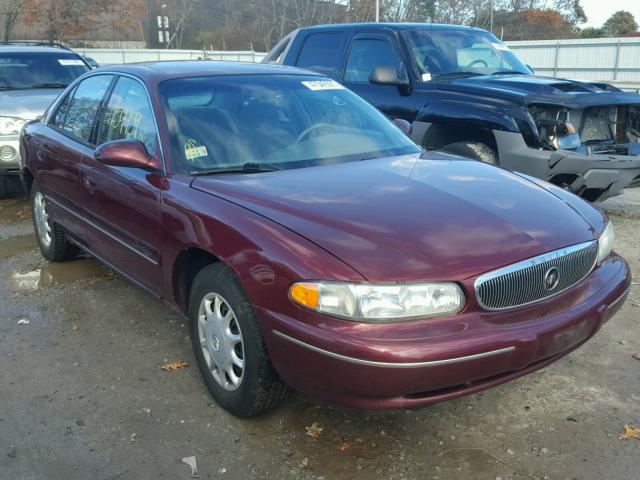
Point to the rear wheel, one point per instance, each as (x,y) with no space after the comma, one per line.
(51,237)
(474,150)
(228,345)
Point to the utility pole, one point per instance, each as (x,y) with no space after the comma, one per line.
(378,10)
(491,16)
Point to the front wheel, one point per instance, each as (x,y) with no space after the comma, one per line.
(474,150)
(51,237)
(228,345)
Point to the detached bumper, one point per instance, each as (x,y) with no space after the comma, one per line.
(595,177)
(413,364)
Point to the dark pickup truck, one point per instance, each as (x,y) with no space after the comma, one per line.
(463,91)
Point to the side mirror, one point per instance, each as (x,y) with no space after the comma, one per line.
(126,153)
(533,72)
(388,75)
(403,125)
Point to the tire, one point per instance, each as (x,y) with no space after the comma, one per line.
(51,237)
(473,150)
(258,388)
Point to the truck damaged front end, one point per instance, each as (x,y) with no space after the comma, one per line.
(589,144)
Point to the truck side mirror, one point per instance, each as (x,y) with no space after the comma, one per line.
(388,75)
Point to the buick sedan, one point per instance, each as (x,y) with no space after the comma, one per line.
(310,242)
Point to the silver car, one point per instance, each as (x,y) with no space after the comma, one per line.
(31,77)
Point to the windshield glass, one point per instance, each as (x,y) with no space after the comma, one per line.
(278,121)
(451,51)
(26,70)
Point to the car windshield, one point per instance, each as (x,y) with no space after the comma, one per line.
(27,70)
(442,52)
(269,122)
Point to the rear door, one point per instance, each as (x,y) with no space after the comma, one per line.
(122,203)
(62,145)
(367,51)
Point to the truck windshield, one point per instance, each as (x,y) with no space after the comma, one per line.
(27,70)
(444,52)
(272,122)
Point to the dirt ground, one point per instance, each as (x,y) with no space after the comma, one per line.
(82,395)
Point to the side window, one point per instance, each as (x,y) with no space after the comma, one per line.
(129,116)
(58,118)
(365,55)
(321,52)
(82,108)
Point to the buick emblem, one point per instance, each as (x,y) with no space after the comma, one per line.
(551,278)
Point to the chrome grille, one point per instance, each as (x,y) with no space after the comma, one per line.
(524,282)
(7,153)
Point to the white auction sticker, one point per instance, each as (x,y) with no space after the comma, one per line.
(70,62)
(322,85)
(500,46)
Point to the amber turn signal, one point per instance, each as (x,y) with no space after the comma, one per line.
(305,294)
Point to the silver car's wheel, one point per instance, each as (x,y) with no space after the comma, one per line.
(43,227)
(221,341)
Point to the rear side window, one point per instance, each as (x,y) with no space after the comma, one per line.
(365,55)
(129,116)
(321,52)
(76,117)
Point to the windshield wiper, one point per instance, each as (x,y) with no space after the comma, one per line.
(508,72)
(457,74)
(49,85)
(249,167)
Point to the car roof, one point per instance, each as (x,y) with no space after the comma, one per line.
(200,68)
(388,25)
(34,49)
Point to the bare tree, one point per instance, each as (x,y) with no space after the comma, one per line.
(11,10)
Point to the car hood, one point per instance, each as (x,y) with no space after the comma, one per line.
(409,218)
(27,104)
(557,91)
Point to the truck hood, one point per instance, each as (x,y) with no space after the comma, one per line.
(556,91)
(27,104)
(410,218)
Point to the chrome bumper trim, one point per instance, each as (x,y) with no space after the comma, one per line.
(371,363)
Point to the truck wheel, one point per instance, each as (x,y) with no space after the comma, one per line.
(474,150)
(228,345)
(51,237)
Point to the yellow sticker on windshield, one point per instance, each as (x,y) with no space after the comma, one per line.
(192,150)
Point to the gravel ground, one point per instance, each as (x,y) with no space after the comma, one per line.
(82,395)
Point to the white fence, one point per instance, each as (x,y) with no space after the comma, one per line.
(614,60)
(110,56)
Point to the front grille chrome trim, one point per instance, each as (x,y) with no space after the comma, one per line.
(575,261)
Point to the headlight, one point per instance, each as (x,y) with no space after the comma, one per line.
(605,242)
(371,303)
(11,125)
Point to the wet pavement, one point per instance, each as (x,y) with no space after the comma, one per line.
(82,396)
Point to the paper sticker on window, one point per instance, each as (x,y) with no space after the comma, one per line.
(426,77)
(70,62)
(322,85)
(192,150)
(500,46)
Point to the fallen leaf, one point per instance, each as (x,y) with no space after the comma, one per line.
(23,213)
(173,366)
(636,355)
(191,461)
(314,430)
(23,321)
(344,446)
(630,432)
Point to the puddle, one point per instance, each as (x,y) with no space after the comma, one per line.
(14,210)
(58,273)
(13,246)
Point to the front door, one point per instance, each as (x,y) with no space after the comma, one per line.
(122,203)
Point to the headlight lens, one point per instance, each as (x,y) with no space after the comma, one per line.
(605,242)
(11,125)
(371,303)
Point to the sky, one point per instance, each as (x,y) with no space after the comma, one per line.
(599,10)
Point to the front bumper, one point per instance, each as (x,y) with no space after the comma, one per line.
(413,364)
(595,177)
(9,155)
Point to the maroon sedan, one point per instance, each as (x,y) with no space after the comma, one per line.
(309,241)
